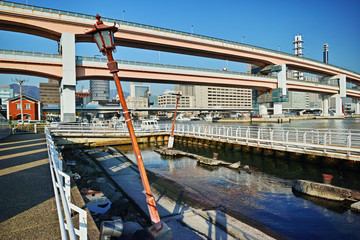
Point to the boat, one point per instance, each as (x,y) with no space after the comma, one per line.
(208,118)
(195,118)
(149,125)
(182,118)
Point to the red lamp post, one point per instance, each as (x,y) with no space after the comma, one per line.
(171,138)
(104,38)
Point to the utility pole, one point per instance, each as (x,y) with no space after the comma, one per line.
(21,101)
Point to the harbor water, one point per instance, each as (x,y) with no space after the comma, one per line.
(266,194)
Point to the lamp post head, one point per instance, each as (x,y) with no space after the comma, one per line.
(103,35)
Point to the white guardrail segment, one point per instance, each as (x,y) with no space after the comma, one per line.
(337,141)
(61,185)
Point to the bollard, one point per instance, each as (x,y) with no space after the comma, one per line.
(327,178)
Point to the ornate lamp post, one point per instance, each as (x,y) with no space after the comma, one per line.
(171,138)
(104,38)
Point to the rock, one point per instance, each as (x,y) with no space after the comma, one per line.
(322,190)
(355,195)
(117,208)
(355,206)
(235,165)
(210,162)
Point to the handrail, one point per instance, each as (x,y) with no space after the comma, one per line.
(63,197)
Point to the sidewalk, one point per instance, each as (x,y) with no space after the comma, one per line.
(27,202)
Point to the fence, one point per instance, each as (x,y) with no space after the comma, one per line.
(5,129)
(324,140)
(61,185)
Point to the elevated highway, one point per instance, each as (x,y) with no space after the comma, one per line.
(50,66)
(51,23)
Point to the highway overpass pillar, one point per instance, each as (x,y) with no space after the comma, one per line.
(68,82)
(281,79)
(263,109)
(325,105)
(277,108)
(338,105)
(357,107)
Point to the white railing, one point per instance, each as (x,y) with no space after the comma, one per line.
(325,140)
(61,185)
(341,141)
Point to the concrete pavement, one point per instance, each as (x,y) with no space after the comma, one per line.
(27,202)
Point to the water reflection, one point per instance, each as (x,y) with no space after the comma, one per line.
(265,195)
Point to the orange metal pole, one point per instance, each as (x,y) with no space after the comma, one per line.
(173,126)
(154,215)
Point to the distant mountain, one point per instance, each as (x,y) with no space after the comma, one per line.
(113,93)
(31,91)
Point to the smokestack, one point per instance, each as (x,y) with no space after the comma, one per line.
(326,53)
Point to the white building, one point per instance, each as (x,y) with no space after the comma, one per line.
(168,99)
(226,97)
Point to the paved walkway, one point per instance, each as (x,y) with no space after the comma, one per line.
(27,202)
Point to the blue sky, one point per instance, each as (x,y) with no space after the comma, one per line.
(269,24)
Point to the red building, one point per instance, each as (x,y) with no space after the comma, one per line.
(31,108)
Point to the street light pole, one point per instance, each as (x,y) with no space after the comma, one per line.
(104,38)
(21,100)
(171,138)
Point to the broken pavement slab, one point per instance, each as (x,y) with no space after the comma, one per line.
(355,206)
(184,221)
(322,190)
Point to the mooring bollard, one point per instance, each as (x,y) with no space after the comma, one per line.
(327,178)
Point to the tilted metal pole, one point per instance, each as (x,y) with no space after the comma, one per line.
(171,138)
(154,215)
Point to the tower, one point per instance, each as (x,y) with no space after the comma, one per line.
(326,53)
(298,52)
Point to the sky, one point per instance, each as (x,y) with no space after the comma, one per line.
(263,23)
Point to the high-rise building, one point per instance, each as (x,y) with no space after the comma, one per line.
(49,93)
(139,91)
(99,90)
(226,97)
(187,90)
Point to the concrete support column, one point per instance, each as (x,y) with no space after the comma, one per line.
(277,108)
(357,107)
(68,82)
(281,78)
(263,109)
(325,105)
(338,106)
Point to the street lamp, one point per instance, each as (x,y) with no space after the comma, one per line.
(171,138)
(104,37)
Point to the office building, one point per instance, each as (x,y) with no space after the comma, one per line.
(49,93)
(168,99)
(139,91)
(226,97)
(99,91)
(186,90)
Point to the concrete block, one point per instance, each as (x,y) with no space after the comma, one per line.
(163,234)
(322,190)
(355,206)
